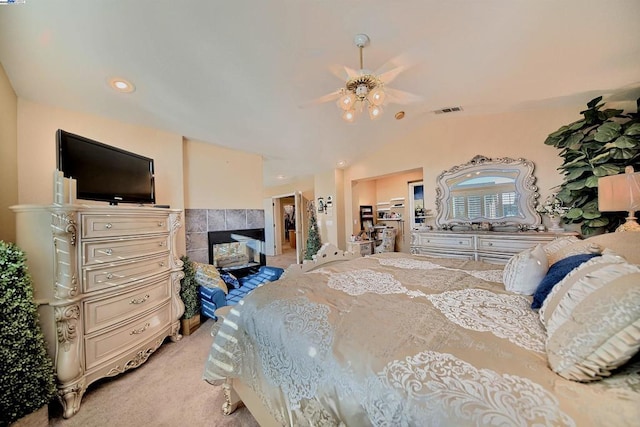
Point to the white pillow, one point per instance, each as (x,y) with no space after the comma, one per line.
(524,271)
(595,327)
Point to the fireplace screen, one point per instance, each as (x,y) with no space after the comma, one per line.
(238,249)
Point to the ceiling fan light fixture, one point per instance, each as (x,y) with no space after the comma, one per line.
(346,101)
(349,116)
(375,111)
(377,96)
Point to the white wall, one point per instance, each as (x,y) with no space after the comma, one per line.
(8,157)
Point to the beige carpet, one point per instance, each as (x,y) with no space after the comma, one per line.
(167,390)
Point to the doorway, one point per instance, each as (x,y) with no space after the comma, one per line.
(285,219)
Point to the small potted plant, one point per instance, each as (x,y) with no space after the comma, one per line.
(189,295)
(26,378)
(554,209)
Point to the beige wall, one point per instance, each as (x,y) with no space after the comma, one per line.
(331,224)
(37,126)
(220,178)
(304,184)
(8,157)
(447,141)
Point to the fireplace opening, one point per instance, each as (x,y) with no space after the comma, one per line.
(240,252)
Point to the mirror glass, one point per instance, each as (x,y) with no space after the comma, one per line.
(498,192)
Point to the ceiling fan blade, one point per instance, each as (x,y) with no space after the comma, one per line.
(401,97)
(325,98)
(389,76)
(351,73)
(343,72)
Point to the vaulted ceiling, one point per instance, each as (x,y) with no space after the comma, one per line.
(241,73)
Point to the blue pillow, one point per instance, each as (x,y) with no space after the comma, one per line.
(229,279)
(556,273)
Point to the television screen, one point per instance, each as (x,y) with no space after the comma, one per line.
(103,172)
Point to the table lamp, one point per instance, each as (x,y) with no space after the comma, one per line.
(621,193)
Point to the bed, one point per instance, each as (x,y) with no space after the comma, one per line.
(396,339)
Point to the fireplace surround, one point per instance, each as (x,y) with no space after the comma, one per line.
(240,252)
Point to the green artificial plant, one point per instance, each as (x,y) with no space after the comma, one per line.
(313,240)
(189,289)
(26,377)
(603,143)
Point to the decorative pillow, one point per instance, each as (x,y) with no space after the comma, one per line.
(560,290)
(208,276)
(524,271)
(559,243)
(556,273)
(574,248)
(230,279)
(626,244)
(595,327)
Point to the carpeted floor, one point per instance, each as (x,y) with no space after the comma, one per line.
(166,391)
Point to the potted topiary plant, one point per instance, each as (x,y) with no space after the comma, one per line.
(26,379)
(603,143)
(189,295)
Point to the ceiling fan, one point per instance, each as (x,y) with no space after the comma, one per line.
(366,88)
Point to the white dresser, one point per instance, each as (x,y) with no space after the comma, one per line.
(487,246)
(107,282)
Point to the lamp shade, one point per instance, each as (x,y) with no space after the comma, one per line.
(619,192)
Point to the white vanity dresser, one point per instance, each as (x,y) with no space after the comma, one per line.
(485,212)
(487,246)
(106,280)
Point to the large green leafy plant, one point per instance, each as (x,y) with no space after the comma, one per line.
(600,144)
(26,377)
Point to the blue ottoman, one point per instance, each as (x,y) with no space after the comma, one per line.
(214,298)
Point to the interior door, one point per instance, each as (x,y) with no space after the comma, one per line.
(269,227)
(302,225)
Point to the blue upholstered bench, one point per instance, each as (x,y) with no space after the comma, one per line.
(214,298)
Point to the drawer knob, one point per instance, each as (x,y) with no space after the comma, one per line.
(108,251)
(460,243)
(108,225)
(160,224)
(141,330)
(489,244)
(161,263)
(139,300)
(161,243)
(109,276)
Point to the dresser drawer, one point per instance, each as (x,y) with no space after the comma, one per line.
(107,311)
(442,253)
(507,244)
(103,276)
(100,252)
(443,241)
(101,347)
(123,225)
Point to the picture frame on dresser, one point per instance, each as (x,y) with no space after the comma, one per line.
(106,282)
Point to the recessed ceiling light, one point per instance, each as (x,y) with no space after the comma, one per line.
(281,177)
(121,85)
(341,164)
(399,115)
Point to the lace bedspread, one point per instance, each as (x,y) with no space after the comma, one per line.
(401,340)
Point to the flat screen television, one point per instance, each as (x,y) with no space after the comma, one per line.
(103,172)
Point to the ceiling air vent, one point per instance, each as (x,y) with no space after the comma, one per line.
(448,110)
